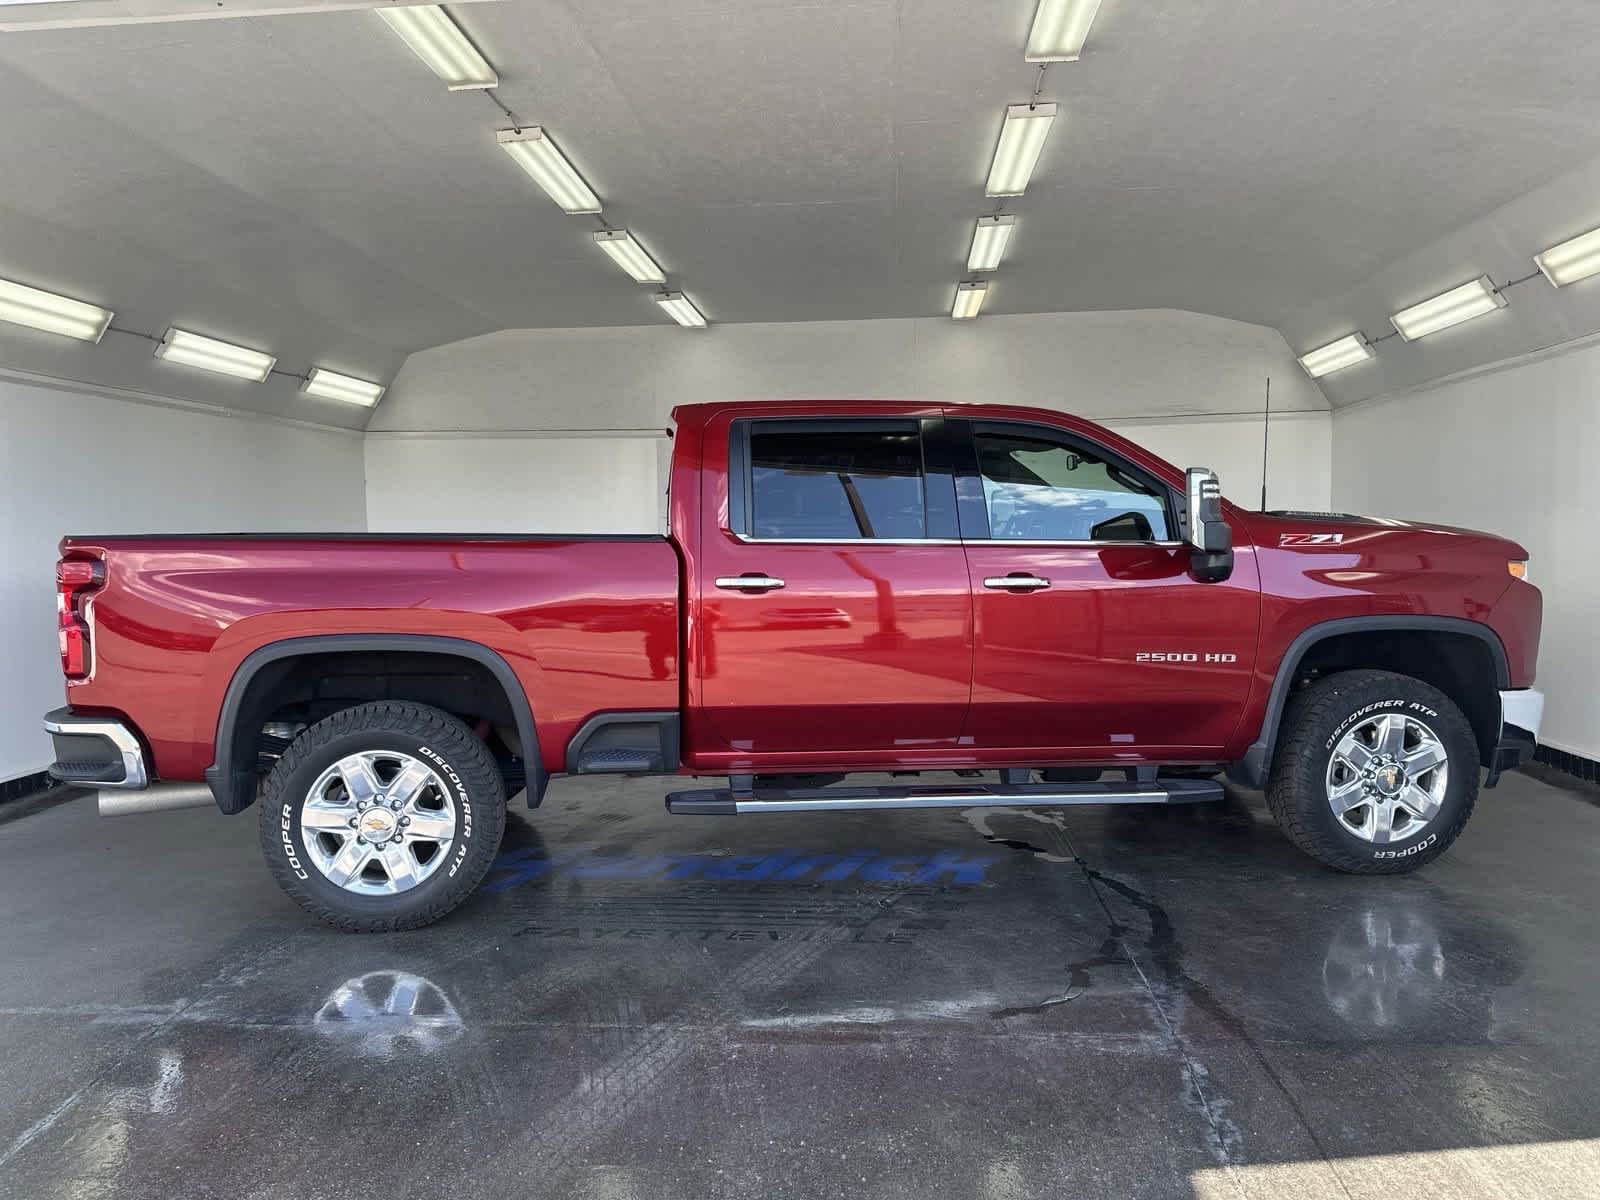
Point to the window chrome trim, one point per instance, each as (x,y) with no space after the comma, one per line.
(755,541)
(1070,545)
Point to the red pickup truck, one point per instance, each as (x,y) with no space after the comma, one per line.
(1014,595)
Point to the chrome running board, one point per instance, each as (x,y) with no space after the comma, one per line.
(724,802)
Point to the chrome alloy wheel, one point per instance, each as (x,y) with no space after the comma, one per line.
(378,822)
(1387,777)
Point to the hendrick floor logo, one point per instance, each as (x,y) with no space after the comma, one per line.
(519,867)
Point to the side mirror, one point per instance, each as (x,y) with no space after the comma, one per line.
(1211,559)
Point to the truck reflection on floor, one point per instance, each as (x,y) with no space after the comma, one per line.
(386,1013)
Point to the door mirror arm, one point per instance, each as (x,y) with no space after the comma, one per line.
(1208,535)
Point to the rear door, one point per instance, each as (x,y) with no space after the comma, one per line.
(834,609)
(1091,635)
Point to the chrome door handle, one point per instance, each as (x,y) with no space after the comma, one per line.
(1016,583)
(748,583)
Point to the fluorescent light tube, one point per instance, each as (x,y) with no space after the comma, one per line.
(681,310)
(1022,137)
(536,154)
(1575,259)
(1060,27)
(1449,308)
(193,350)
(989,242)
(438,41)
(969,300)
(629,255)
(1337,355)
(23,305)
(330,385)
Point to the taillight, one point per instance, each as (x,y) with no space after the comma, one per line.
(76,580)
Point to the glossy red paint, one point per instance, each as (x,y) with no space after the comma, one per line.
(873,655)
(1124,656)
(587,625)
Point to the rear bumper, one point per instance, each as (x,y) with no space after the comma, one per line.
(104,753)
(95,751)
(1521,714)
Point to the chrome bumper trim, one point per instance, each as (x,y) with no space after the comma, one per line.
(1524,708)
(119,735)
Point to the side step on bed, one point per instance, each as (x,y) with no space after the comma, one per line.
(722,802)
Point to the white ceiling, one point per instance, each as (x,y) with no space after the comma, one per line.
(301,183)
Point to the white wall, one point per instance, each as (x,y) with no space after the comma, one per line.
(1299,448)
(1188,386)
(515,483)
(1512,450)
(88,460)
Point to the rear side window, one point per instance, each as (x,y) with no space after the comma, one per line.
(1041,488)
(837,483)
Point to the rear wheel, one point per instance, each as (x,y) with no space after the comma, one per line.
(384,816)
(1375,773)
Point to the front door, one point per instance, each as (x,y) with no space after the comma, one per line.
(834,608)
(1090,634)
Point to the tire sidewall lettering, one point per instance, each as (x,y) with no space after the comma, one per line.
(1366,710)
(1409,850)
(464,837)
(286,826)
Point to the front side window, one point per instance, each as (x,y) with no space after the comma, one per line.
(1040,488)
(837,484)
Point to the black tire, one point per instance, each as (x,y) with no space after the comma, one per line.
(463,763)
(1317,718)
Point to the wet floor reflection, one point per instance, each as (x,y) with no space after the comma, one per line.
(385,1013)
(946,1006)
(1384,965)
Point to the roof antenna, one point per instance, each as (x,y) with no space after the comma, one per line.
(1266,419)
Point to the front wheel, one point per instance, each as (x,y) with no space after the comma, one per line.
(1375,773)
(382,817)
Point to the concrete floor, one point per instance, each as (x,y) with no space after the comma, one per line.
(1083,1003)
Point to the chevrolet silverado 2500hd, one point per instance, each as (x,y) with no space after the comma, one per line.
(1014,594)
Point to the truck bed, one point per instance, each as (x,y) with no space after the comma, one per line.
(587,623)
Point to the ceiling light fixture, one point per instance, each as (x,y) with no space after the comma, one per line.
(24,305)
(1574,259)
(681,309)
(969,300)
(194,350)
(438,41)
(1337,355)
(1060,27)
(536,154)
(626,252)
(989,242)
(1459,304)
(330,385)
(1022,137)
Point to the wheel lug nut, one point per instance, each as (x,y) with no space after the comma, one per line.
(353,822)
(405,820)
(360,841)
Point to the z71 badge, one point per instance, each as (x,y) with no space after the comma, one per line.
(1310,539)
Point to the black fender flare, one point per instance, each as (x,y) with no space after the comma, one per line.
(233,784)
(1252,770)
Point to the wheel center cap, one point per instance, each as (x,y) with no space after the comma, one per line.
(1390,779)
(377,824)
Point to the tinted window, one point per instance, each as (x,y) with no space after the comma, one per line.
(1040,489)
(836,483)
